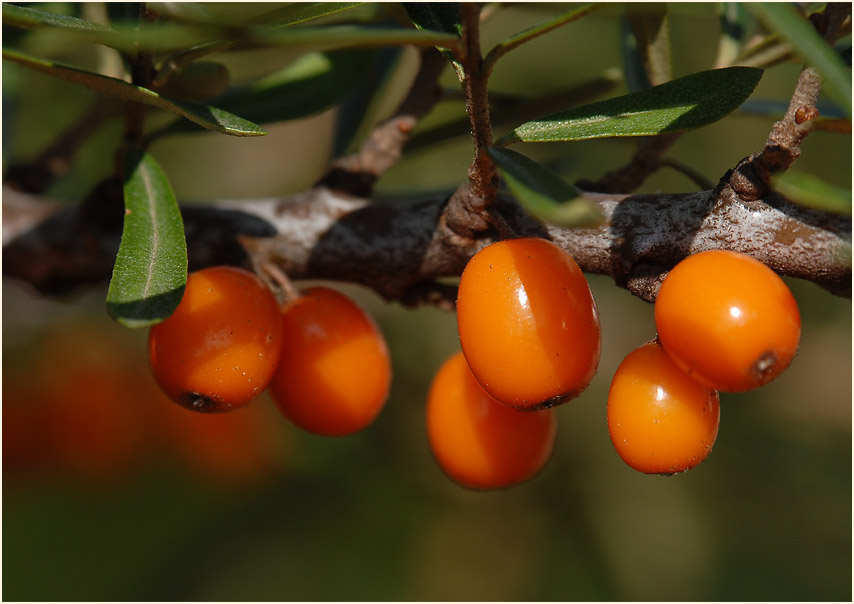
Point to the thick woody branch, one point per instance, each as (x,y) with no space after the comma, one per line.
(401,249)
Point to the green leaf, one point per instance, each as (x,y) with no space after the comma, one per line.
(313,83)
(784,19)
(682,104)
(206,116)
(64,29)
(542,192)
(300,12)
(32,18)
(811,191)
(151,267)
(436,16)
(342,36)
(442,17)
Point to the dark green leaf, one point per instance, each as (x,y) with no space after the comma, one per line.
(208,117)
(357,114)
(313,83)
(436,16)
(442,17)
(682,104)
(506,110)
(784,19)
(542,192)
(811,191)
(151,267)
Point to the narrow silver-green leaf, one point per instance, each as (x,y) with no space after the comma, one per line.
(784,19)
(32,18)
(300,12)
(811,191)
(151,267)
(341,36)
(686,103)
(542,192)
(206,116)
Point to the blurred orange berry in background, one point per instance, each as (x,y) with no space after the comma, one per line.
(82,405)
(479,442)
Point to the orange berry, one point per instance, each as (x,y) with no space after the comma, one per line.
(334,375)
(479,442)
(727,320)
(219,349)
(660,420)
(528,323)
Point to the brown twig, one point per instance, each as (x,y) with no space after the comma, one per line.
(646,160)
(356,174)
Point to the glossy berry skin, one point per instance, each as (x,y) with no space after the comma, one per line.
(479,442)
(334,374)
(660,420)
(220,348)
(727,320)
(528,324)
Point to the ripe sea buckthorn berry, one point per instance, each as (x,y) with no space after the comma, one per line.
(219,349)
(479,442)
(528,324)
(727,320)
(334,374)
(661,421)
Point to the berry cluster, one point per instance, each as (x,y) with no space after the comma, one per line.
(530,337)
(726,323)
(323,359)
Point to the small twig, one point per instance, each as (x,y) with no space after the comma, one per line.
(356,174)
(838,125)
(287,291)
(645,161)
(533,32)
(751,178)
(699,179)
(483,175)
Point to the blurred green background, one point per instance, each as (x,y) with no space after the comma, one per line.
(112,493)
